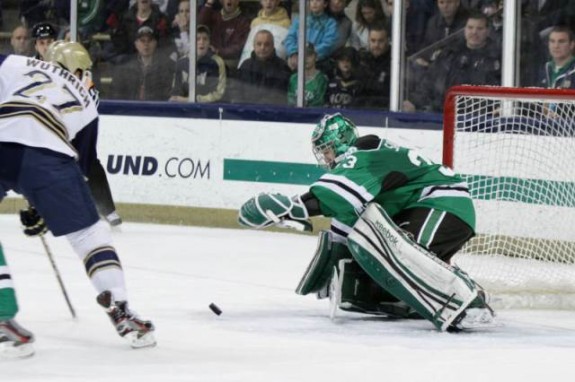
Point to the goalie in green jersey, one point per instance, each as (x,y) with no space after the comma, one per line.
(397,219)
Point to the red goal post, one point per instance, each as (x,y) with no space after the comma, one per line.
(516,149)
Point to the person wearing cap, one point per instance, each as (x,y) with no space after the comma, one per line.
(43,34)
(148,75)
(211,73)
(315,81)
(264,77)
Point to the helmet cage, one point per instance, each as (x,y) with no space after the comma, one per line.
(334,132)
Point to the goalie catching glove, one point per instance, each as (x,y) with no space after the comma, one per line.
(267,209)
(33,223)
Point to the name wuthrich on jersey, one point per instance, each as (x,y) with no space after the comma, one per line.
(42,105)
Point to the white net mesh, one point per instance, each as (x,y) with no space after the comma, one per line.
(518,156)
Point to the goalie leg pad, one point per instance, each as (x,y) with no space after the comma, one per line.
(360,293)
(436,290)
(320,269)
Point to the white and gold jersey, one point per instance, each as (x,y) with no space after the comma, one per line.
(42,105)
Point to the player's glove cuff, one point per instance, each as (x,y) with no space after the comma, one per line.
(33,224)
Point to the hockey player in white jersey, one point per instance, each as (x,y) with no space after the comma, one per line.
(43,107)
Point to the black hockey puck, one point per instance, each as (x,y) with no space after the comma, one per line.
(214,308)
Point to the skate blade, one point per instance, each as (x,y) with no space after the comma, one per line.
(9,351)
(138,341)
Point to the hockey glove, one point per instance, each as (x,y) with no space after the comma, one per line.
(34,224)
(267,209)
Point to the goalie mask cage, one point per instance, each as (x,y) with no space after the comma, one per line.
(516,149)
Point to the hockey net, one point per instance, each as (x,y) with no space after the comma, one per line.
(516,148)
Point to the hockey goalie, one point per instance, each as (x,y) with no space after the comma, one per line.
(397,219)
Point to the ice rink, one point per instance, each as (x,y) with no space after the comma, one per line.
(266,332)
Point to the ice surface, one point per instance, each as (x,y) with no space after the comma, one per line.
(265,333)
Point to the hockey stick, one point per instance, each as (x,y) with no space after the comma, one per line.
(57,272)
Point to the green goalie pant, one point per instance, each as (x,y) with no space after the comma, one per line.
(8,303)
(433,288)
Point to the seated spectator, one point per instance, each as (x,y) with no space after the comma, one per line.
(43,34)
(124,28)
(315,82)
(336,9)
(273,18)
(264,77)
(230,29)
(181,26)
(211,75)
(368,12)
(472,61)
(321,31)
(147,76)
(20,42)
(559,72)
(375,67)
(345,83)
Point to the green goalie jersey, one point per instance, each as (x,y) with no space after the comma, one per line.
(396,178)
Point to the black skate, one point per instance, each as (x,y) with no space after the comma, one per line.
(15,341)
(137,332)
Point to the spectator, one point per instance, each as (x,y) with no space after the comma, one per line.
(271,13)
(345,84)
(20,41)
(148,75)
(211,74)
(417,14)
(368,12)
(181,26)
(473,61)
(493,9)
(375,66)
(273,18)
(559,72)
(544,14)
(264,77)
(537,19)
(450,18)
(321,31)
(315,81)
(125,27)
(336,9)
(56,12)
(230,29)
(43,34)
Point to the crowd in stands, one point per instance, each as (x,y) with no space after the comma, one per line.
(246,55)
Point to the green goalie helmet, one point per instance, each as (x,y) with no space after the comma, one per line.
(71,56)
(331,138)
